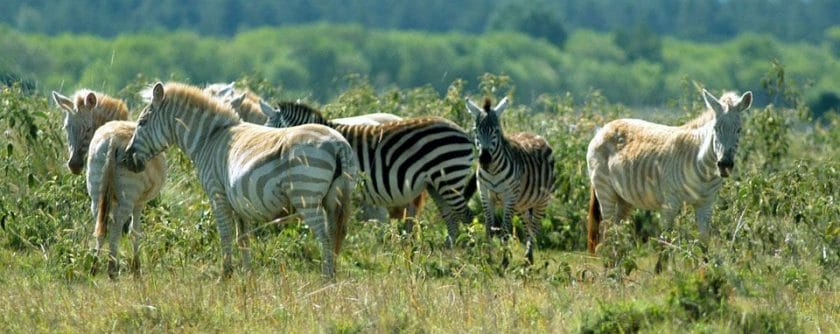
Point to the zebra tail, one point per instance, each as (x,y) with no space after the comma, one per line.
(594,222)
(341,189)
(106,191)
(471,187)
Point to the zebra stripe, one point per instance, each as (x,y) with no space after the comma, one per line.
(516,170)
(117,192)
(251,172)
(400,159)
(638,164)
(85,112)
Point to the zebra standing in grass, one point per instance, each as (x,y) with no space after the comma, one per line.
(114,191)
(245,102)
(401,159)
(638,164)
(85,112)
(515,169)
(251,172)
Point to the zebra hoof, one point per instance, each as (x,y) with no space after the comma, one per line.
(113,268)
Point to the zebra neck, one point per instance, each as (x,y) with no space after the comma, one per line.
(706,160)
(193,136)
(499,159)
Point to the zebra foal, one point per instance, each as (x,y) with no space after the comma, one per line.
(97,133)
(401,159)
(638,164)
(251,172)
(516,170)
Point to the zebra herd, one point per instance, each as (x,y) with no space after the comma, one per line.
(259,163)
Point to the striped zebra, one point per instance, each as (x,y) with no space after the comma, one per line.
(251,172)
(85,112)
(401,159)
(638,164)
(516,170)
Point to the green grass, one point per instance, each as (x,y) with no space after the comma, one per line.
(772,267)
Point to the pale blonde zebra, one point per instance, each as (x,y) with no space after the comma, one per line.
(516,170)
(117,192)
(638,164)
(251,172)
(85,112)
(244,102)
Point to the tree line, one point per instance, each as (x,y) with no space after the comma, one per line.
(638,68)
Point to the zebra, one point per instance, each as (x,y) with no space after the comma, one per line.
(400,159)
(251,172)
(245,102)
(94,122)
(637,164)
(115,191)
(85,112)
(516,170)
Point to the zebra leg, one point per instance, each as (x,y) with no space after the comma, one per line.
(669,214)
(489,212)
(243,238)
(534,219)
(448,215)
(224,215)
(703,215)
(316,219)
(507,216)
(121,216)
(136,238)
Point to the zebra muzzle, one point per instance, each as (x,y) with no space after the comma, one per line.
(484,157)
(132,162)
(725,167)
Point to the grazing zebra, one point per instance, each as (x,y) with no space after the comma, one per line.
(118,192)
(85,112)
(638,164)
(401,159)
(516,170)
(251,172)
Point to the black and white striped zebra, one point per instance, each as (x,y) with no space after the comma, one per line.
(400,159)
(252,172)
(516,170)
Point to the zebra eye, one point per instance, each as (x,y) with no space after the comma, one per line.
(141,122)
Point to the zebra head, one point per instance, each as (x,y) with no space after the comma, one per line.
(727,126)
(149,138)
(291,114)
(488,130)
(78,125)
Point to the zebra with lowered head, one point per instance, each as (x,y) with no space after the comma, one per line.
(637,164)
(400,159)
(515,169)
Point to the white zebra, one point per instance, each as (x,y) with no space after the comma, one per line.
(118,192)
(516,170)
(251,172)
(638,164)
(96,133)
(85,112)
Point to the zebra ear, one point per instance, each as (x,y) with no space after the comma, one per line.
(474,109)
(62,101)
(746,101)
(90,100)
(266,108)
(236,102)
(157,93)
(501,106)
(714,104)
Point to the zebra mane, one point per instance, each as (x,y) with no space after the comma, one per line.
(195,96)
(105,102)
(300,107)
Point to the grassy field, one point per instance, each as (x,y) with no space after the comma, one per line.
(772,267)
